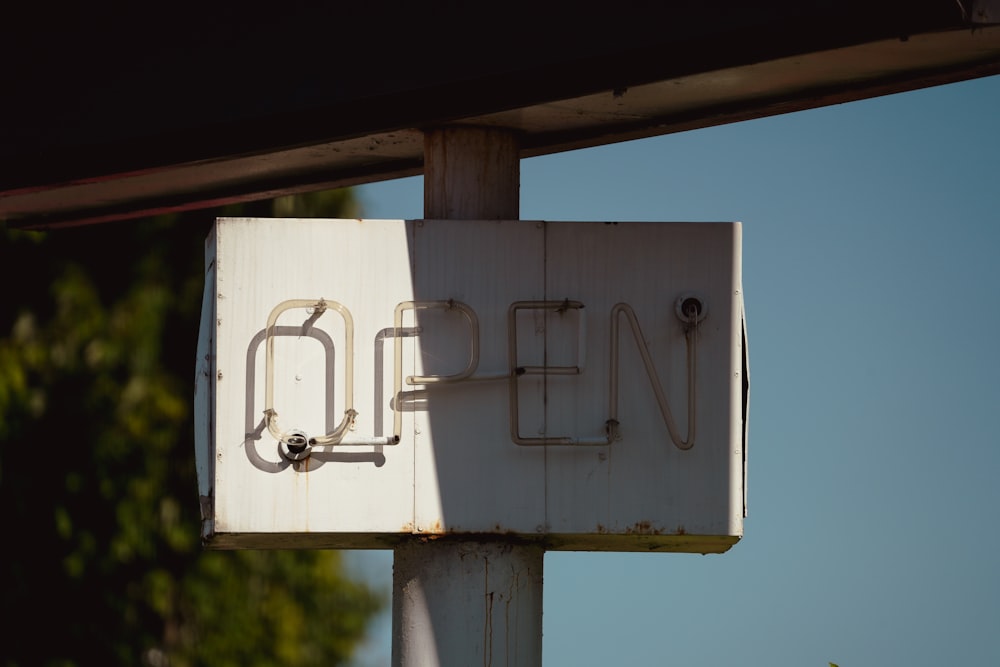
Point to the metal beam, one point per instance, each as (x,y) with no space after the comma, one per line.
(120,116)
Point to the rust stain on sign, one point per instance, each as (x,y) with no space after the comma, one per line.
(643,528)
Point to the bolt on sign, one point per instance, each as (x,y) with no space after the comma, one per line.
(581,384)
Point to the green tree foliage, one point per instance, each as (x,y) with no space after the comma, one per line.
(102,560)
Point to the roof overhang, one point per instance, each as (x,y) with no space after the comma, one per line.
(133,121)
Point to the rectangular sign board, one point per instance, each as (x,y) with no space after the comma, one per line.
(582,384)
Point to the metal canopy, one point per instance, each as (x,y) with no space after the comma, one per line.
(111,117)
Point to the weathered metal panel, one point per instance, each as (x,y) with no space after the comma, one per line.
(651,483)
(482,482)
(579,384)
(204,396)
(261,264)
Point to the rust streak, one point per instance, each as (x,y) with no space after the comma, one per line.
(488,621)
(643,528)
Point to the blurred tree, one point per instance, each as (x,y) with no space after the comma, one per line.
(103,563)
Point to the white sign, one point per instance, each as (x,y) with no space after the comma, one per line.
(578,383)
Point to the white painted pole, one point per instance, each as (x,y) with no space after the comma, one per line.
(467,602)
(458,601)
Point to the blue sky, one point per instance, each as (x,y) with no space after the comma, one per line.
(872,289)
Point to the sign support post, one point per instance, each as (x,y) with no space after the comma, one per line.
(459,600)
(472,390)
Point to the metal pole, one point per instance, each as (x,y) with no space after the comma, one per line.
(471,173)
(459,601)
